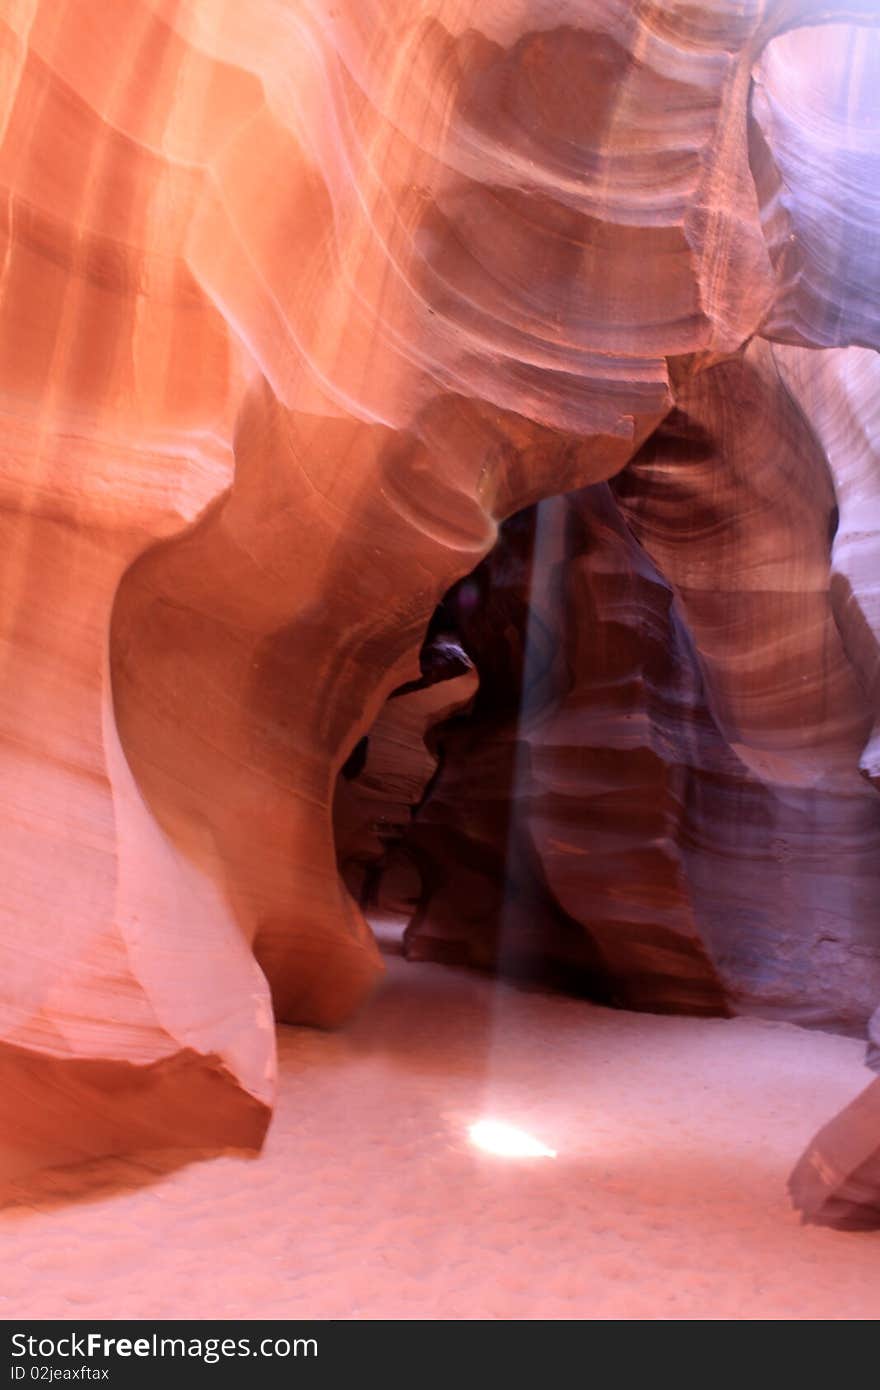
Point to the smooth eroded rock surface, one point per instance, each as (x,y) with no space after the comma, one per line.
(298,303)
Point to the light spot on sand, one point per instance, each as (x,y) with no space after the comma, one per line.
(507,1141)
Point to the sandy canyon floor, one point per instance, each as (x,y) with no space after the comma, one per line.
(666,1198)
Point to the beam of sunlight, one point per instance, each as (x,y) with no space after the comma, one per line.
(507,1141)
(509,1004)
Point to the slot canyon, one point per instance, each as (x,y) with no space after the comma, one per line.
(440,617)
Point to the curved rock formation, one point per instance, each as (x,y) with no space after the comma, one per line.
(816,160)
(297,302)
(839,393)
(389,771)
(732,499)
(688,796)
(836,1182)
(549,843)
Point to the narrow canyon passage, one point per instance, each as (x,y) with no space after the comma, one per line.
(666,1198)
(440,658)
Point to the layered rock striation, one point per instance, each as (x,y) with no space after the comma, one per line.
(297,303)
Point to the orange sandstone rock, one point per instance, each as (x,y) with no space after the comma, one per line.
(297,302)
